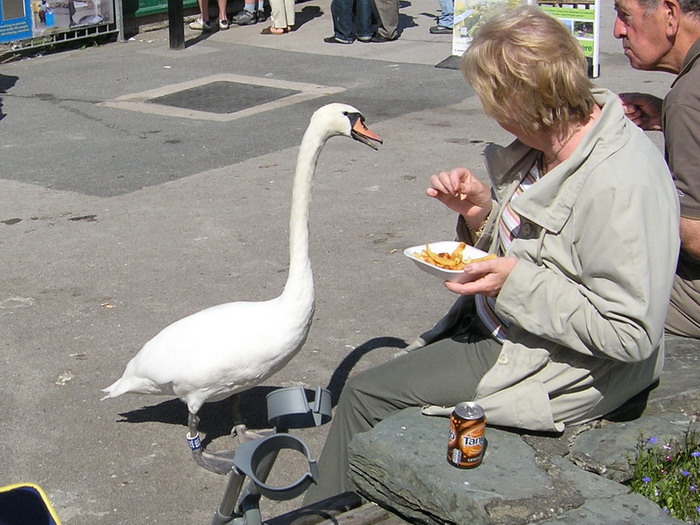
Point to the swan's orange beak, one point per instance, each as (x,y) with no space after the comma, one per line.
(364,134)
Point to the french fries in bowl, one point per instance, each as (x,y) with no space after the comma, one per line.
(445,259)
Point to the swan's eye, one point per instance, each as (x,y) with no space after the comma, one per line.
(353,117)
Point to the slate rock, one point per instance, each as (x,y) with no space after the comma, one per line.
(401,464)
(609,450)
(630,509)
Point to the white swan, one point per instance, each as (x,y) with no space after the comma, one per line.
(229,348)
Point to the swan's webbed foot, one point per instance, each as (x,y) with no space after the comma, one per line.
(218,462)
(241,433)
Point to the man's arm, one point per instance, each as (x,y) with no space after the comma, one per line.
(690,236)
(682,137)
(643,109)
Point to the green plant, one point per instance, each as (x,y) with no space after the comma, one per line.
(669,475)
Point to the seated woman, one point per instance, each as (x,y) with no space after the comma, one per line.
(566,324)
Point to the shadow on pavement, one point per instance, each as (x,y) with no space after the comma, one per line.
(307,14)
(340,376)
(6,82)
(216,418)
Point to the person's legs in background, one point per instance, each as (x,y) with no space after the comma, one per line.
(202,23)
(223,16)
(262,15)
(289,14)
(446,18)
(343,23)
(363,20)
(248,16)
(282,15)
(388,15)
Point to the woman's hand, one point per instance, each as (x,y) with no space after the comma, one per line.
(462,192)
(484,277)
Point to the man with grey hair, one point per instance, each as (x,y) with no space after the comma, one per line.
(664,35)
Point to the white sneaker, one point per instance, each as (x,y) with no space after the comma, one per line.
(223,25)
(200,25)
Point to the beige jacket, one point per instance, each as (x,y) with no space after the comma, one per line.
(587,300)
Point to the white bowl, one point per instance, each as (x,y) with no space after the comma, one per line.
(442,247)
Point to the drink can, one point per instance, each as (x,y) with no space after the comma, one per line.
(465,445)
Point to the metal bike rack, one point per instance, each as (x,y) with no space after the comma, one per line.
(286,408)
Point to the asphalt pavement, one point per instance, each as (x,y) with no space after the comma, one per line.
(136,189)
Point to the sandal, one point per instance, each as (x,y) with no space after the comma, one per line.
(274,30)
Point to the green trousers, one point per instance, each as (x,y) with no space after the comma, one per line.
(446,372)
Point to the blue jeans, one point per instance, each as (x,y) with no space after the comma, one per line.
(348,25)
(447,12)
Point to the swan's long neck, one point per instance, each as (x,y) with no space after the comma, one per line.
(300,283)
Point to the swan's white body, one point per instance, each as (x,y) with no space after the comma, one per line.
(207,356)
(229,348)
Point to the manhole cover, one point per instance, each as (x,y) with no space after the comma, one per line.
(222,97)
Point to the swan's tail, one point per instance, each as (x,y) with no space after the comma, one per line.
(135,385)
(115,389)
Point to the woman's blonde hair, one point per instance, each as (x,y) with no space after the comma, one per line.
(528,69)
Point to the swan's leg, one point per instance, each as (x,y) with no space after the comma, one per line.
(240,431)
(221,462)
